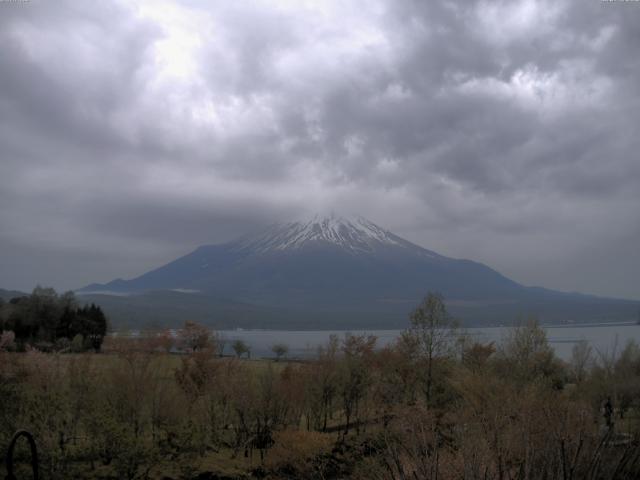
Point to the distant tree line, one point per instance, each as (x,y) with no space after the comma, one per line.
(50,321)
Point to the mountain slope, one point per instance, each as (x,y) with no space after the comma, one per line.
(351,267)
(7,295)
(324,259)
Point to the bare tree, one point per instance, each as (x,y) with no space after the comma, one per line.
(356,375)
(525,355)
(581,358)
(433,332)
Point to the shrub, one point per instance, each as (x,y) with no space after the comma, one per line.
(296,450)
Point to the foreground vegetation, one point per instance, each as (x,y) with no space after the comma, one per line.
(433,405)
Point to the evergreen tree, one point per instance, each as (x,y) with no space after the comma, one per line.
(45,316)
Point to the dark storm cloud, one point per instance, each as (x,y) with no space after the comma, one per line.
(502,131)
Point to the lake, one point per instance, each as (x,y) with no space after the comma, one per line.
(303,344)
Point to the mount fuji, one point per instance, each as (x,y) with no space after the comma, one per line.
(333,272)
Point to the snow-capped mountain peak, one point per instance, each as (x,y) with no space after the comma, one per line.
(356,234)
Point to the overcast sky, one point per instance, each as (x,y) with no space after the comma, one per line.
(506,132)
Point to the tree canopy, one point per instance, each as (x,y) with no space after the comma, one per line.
(47,319)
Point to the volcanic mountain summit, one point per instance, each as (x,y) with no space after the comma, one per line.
(334,271)
(356,235)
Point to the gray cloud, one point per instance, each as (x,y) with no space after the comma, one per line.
(503,131)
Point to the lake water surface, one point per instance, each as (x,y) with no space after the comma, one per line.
(304,344)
